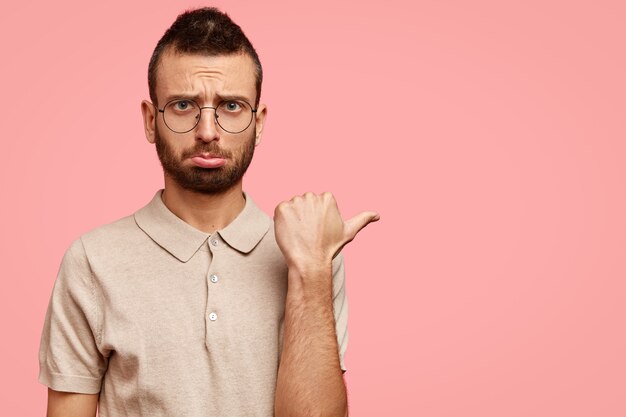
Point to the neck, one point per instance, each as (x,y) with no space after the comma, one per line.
(205,212)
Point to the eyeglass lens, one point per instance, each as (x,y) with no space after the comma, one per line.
(182,116)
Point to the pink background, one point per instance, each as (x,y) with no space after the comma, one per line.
(490,136)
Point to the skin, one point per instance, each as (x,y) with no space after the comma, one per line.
(65,404)
(309,231)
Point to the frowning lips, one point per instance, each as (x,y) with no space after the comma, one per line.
(207,151)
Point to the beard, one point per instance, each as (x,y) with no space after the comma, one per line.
(205,180)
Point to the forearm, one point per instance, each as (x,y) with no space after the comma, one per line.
(310,381)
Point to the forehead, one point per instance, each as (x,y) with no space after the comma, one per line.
(205,75)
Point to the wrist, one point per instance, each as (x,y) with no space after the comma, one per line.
(311,280)
(310,269)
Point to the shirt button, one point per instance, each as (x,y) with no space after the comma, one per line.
(214,242)
(214,278)
(213,316)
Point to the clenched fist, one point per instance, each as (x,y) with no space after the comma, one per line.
(310,231)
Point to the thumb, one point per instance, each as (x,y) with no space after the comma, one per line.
(354,225)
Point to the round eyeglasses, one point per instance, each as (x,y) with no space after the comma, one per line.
(183,115)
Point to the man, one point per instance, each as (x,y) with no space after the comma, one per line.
(197,305)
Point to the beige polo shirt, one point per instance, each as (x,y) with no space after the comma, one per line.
(165,320)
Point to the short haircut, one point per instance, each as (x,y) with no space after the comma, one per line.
(205,31)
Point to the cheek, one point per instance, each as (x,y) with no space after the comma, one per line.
(175,146)
(235,144)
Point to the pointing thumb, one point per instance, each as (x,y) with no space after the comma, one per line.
(358,222)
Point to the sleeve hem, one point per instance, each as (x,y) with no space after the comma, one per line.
(70,383)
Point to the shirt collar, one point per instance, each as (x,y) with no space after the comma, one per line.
(183,240)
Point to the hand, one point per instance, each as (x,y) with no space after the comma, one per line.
(310,231)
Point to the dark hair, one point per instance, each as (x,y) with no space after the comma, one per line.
(204,31)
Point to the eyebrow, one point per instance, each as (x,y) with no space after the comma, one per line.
(225,97)
(196,97)
(171,97)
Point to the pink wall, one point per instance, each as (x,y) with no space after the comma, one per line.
(490,137)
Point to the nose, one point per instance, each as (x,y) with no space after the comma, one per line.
(206,129)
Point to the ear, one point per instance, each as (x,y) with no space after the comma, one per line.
(261,113)
(149,113)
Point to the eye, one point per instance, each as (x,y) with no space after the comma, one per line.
(231,106)
(182,105)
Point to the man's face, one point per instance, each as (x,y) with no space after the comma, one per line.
(206,159)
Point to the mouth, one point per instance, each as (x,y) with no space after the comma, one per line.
(208,160)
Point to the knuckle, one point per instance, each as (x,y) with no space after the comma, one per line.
(281,206)
(328,198)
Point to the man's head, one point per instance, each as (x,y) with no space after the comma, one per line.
(203,72)
(205,31)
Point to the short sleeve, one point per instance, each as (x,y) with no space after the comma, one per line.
(69,359)
(340,307)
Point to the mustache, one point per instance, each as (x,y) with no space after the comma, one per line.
(210,147)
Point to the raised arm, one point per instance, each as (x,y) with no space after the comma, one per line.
(310,232)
